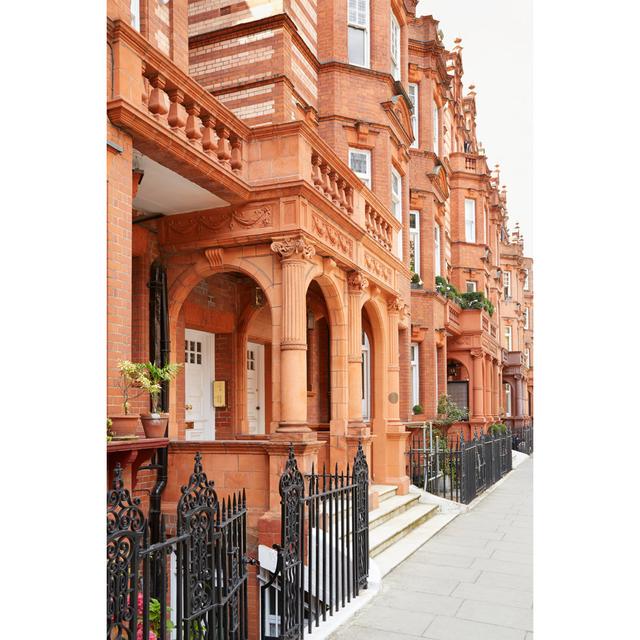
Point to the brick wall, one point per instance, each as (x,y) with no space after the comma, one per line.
(119,189)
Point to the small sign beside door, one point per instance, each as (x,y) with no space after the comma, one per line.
(219,394)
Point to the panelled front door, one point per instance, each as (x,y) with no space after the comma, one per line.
(255,387)
(199,375)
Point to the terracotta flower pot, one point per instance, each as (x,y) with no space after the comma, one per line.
(154,424)
(124,425)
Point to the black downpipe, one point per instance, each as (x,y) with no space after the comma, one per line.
(159,353)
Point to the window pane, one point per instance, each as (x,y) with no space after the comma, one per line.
(357,46)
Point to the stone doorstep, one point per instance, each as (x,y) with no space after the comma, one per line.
(399,526)
(385,491)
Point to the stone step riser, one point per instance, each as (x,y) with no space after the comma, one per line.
(392,514)
(401,533)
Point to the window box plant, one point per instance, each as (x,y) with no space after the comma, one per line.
(150,379)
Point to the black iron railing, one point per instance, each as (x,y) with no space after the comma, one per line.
(456,469)
(523,439)
(323,558)
(433,462)
(192,586)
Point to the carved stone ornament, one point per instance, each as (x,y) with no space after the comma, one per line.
(215,257)
(293,247)
(477,353)
(396,305)
(357,281)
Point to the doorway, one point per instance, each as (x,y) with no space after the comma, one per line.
(255,387)
(199,374)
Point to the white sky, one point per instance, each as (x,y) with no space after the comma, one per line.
(497,58)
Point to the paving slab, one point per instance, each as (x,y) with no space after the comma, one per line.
(470,581)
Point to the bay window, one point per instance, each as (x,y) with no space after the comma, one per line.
(415,375)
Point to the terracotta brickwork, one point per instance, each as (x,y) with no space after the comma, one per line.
(299,202)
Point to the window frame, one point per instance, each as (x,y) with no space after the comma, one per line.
(436,127)
(506,286)
(470,220)
(414,235)
(526,317)
(135,14)
(395,64)
(361,27)
(396,201)
(508,337)
(471,282)
(415,373)
(526,280)
(415,121)
(362,176)
(437,250)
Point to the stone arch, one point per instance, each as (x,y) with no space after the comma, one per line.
(376,315)
(332,289)
(183,281)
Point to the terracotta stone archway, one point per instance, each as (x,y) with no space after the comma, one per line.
(183,279)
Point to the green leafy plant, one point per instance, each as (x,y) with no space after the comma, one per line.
(476,300)
(446,289)
(415,279)
(497,429)
(449,412)
(417,409)
(129,382)
(155,616)
(109,432)
(151,377)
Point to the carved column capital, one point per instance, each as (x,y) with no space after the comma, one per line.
(396,305)
(357,282)
(477,353)
(293,248)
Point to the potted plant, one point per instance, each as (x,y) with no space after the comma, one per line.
(417,409)
(150,379)
(416,281)
(125,424)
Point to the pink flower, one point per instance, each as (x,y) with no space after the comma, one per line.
(140,636)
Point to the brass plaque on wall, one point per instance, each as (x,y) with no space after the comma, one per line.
(219,394)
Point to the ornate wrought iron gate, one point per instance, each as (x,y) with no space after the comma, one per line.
(209,585)
(323,558)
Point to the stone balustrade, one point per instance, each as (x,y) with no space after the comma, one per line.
(178,102)
(468,162)
(329,181)
(378,226)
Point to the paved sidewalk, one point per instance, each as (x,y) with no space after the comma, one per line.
(472,581)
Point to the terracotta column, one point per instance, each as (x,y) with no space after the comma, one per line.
(295,252)
(357,284)
(495,406)
(519,395)
(396,433)
(488,381)
(478,404)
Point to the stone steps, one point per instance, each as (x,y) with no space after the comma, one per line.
(398,526)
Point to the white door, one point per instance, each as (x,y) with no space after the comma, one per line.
(199,375)
(366,378)
(255,387)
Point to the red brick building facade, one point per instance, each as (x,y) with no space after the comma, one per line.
(291,166)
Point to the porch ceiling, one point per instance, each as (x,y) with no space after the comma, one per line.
(167,192)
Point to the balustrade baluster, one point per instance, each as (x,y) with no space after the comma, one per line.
(193,126)
(177,118)
(236,154)
(209,136)
(224,146)
(158,99)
